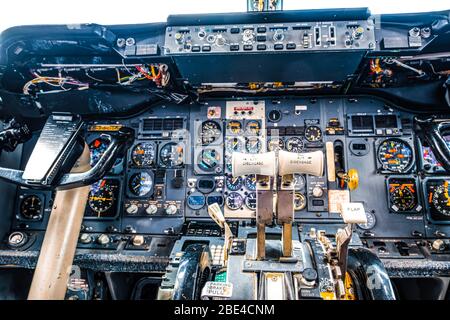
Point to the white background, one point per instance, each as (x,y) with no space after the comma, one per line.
(20,12)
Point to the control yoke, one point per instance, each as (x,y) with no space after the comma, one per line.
(57,151)
(430,130)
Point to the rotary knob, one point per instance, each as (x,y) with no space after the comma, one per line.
(132,209)
(103,239)
(248,36)
(317,192)
(438,245)
(278,35)
(152,209)
(179,38)
(309,277)
(138,240)
(171,209)
(85,238)
(358,33)
(17,239)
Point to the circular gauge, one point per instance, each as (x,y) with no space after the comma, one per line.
(274,116)
(233,183)
(143,154)
(31,207)
(214,198)
(171,154)
(140,184)
(395,155)
(299,201)
(371,222)
(253,145)
(253,127)
(208,159)
(250,201)
(196,201)
(313,134)
(97,148)
(210,132)
(402,199)
(441,199)
(299,181)
(294,144)
(235,144)
(250,182)
(274,144)
(101,197)
(234,201)
(234,127)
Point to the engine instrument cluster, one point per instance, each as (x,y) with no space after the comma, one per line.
(180,163)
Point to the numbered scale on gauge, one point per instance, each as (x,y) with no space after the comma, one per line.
(210,132)
(253,145)
(234,127)
(172,154)
(31,207)
(250,182)
(234,201)
(299,181)
(140,184)
(253,127)
(250,201)
(234,144)
(313,134)
(371,222)
(233,183)
(143,154)
(101,199)
(395,155)
(294,144)
(441,199)
(403,195)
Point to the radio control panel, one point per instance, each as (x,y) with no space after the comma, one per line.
(303,36)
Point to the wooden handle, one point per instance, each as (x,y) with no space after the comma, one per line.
(331,169)
(60,241)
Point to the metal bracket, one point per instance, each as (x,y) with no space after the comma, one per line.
(285,212)
(264,212)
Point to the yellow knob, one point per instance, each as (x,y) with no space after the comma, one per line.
(352,179)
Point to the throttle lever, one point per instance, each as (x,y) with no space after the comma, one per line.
(430,130)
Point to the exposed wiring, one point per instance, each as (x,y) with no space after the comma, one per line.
(54,82)
(158,74)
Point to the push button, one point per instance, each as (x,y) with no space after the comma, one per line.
(261,29)
(291,46)
(261,38)
(278,46)
(234,47)
(261,47)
